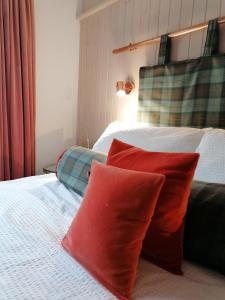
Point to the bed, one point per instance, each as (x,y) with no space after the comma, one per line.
(35,213)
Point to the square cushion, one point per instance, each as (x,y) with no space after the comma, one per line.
(74,165)
(163,244)
(107,233)
(204,235)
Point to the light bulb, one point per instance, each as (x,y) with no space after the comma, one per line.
(120,93)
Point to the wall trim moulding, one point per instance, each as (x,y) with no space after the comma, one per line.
(96,9)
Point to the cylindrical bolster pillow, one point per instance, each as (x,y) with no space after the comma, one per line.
(74,166)
(204,235)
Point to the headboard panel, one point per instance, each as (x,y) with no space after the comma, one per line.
(187,93)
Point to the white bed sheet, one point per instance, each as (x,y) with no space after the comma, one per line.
(35,213)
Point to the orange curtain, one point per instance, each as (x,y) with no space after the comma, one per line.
(17,89)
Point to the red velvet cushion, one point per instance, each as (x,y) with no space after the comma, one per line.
(163,244)
(107,233)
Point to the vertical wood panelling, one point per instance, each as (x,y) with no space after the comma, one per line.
(143,13)
(151,52)
(174,24)
(164,15)
(117,25)
(128,20)
(196,39)
(186,13)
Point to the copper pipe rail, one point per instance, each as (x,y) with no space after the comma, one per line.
(156,40)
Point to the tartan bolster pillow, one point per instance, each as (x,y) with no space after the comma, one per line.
(74,166)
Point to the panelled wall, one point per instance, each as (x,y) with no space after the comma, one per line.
(117,25)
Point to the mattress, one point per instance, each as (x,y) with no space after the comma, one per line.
(35,213)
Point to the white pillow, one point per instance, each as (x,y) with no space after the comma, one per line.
(168,139)
(211,165)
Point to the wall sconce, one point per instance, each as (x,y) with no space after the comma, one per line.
(124,88)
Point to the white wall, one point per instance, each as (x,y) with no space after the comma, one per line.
(57,59)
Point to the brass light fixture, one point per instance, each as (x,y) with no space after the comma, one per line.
(124,88)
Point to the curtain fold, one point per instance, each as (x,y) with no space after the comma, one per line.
(17,89)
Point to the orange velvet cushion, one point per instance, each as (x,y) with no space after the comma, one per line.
(163,244)
(107,233)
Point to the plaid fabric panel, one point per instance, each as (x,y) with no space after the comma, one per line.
(164,50)
(212,38)
(74,166)
(188,93)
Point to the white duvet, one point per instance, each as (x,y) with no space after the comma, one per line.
(34,216)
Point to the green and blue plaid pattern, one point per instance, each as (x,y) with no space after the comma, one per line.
(164,50)
(188,93)
(212,38)
(74,166)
